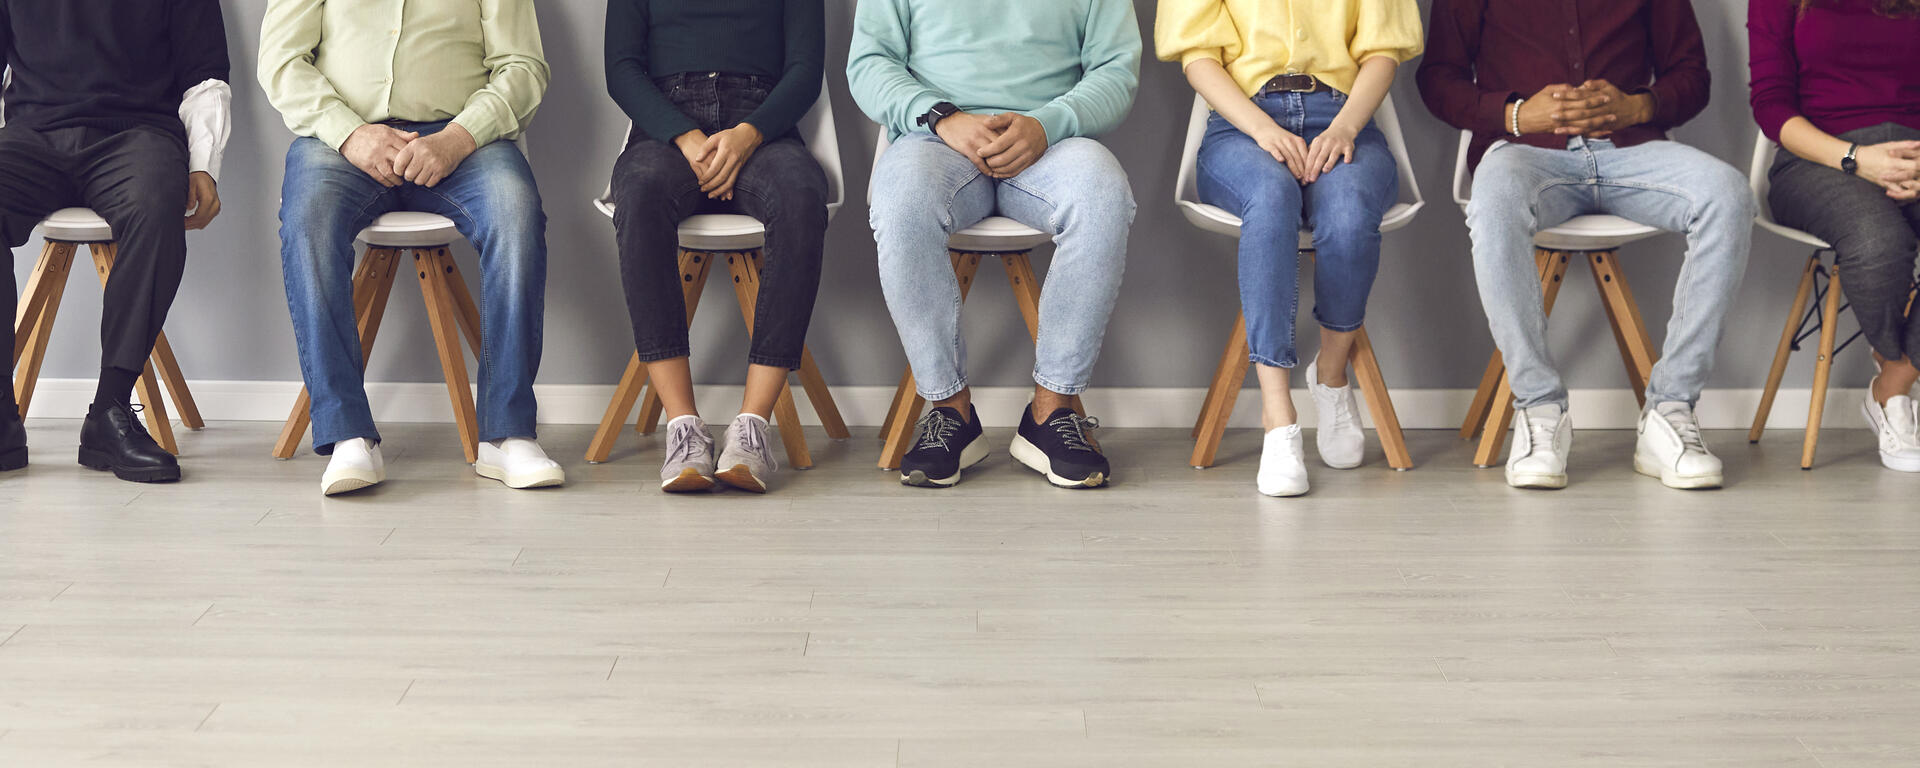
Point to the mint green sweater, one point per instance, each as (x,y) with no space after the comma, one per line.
(1071,64)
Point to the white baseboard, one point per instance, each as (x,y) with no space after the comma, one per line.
(1161,407)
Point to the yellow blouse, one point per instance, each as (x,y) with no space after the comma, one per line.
(1258,39)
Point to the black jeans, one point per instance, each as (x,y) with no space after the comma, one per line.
(135,179)
(1875,238)
(654,189)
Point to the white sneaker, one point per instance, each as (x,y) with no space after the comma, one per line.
(1542,438)
(356,464)
(1342,445)
(1670,448)
(1898,425)
(519,463)
(1283,463)
(748,458)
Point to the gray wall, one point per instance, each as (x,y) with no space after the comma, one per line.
(231,319)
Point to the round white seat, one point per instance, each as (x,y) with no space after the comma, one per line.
(1759,179)
(998,234)
(1592,233)
(410,229)
(1218,221)
(76,225)
(715,232)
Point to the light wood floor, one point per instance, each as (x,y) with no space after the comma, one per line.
(1427,618)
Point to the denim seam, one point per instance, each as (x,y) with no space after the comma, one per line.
(1053,210)
(946,394)
(1056,388)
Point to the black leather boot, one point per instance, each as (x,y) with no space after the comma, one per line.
(13,444)
(113,439)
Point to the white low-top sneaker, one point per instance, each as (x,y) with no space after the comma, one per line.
(1542,438)
(747,460)
(1341,442)
(1898,425)
(1670,448)
(519,463)
(1283,462)
(356,464)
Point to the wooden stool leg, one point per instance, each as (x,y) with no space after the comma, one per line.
(1222,395)
(432,267)
(1623,315)
(821,397)
(746,289)
(617,410)
(34,323)
(694,266)
(1026,293)
(1386,422)
(1490,381)
(1785,350)
(1500,412)
(372,286)
(907,401)
(1822,369)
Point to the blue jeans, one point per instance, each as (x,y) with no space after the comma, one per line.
(1343,208)
(1077,192)
(1520,190)
(492,199)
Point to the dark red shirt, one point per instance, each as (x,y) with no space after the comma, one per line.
(1841,65)
(1483,53)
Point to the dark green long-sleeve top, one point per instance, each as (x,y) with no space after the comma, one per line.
(780,39)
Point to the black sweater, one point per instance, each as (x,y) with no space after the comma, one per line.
(784,40)
(110,64)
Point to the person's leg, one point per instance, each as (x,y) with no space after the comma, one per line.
(1675,187)
(325,202)
(493,200)
(33,183)
(1345,207)
(923,192)
(136,180)
(1237,175)
(1078,193)
(654,189)
(783,186)
(1519,190)
(1900,375)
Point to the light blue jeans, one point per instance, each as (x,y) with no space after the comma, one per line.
(924,191)
(1344,208)
(492,199)
(1519,190)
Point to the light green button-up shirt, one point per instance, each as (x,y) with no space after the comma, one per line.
(331,66)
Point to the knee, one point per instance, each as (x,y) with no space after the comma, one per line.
(1726,195)
(513,213)
(1104,198)
(1502,203)
(1892,248)
(1348,221)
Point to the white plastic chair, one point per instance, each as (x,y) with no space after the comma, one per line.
(1820,283)
(740,238)
(451,311)
(1232,372)
(1596,239)
(996,236)
(65,231)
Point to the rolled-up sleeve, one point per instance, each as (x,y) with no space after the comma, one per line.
(1389,28)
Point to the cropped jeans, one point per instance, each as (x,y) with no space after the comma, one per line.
(1343,207)
(924,191)
(1520,190)
(491,199)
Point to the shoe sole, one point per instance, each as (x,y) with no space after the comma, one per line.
(975,452)
(1330,465)
(1029,454)
(1891,461)
(92,459)
(1536,481)
(689,481)
(1285,494)
(347,485)
(543,479)
(1675,480)
(14,459)
(742,478)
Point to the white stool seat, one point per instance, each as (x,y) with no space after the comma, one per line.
(1218,221)
(76,225)
(715,232)
(1592,233)
(1758,178)
(998,234)
(410,229)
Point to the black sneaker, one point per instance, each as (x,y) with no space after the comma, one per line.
(13,444)
(942,446)
(112,439)
(1063,449)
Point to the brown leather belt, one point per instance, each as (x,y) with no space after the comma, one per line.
(1293,84)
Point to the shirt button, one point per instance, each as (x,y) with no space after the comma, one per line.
(1300,35)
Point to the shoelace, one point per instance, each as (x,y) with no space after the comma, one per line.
(1072,429)
(1684,425)
(688,439)
(935,429)
(1342,414)
(753,440)
(1540,433)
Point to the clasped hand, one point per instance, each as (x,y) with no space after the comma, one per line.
(1002,146)
(393,157)
(716,160)
(1595,108)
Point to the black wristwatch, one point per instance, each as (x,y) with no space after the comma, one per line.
(1849,163)
(940,111)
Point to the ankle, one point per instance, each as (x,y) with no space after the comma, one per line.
(1272,420)
(1330,376)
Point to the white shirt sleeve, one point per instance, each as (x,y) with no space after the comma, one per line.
(207,111)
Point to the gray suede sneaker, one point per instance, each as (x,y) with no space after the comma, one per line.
(747,460)
(689,467)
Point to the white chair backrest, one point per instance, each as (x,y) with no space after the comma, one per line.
(816,129)
(1462,179)
(1758,178)
(1387,119)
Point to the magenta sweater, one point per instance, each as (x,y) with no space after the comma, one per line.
(1840,65)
